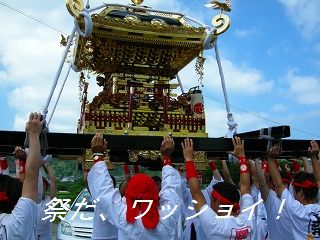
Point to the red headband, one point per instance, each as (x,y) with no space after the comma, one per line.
(285,180)
(305,184)
(223,200)
(4,198)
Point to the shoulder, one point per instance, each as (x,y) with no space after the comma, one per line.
(24,210)
(246,201)
(21,221)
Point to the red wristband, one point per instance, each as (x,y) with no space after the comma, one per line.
(213,166)
(191,171)
(265,166)
(136,168)
(98,159)
(22,166)
(166,160)
(126,169)
(243,165)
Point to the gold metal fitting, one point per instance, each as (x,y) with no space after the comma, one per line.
(137,2)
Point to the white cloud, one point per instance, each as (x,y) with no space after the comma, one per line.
(305,89)
(280,48)
(216,120)
(244,33)
(305,15)
(238,78)
(278,108)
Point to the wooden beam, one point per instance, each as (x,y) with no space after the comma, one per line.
(74,144)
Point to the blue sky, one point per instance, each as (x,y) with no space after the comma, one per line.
(270,56)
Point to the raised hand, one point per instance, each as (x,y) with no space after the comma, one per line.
(238,146)
(187,147)
(19,153)
(34,125)
(167,146)
(314,149)
(98,144)
(274,152)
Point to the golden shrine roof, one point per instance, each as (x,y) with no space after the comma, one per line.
(126,40)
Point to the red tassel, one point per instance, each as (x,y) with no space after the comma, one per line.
(126,169)
(136,168)
(213,166)
(3,164)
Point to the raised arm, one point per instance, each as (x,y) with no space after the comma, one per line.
(194,184)
(253,173)
(101,187)
(263,186)
(171,179)
(53,181)
(272,154)
(315,159)
(215,172)
(33,164)
(225,172)
(238,151)
(306,165)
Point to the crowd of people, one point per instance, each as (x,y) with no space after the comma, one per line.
(270,201)
(24,198)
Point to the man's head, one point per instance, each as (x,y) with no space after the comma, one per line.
(10,192)
(305,188)
(225,193)
(286,178)
(140,191)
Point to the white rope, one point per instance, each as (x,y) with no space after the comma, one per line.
(232,125)
(180,83)
(87,32)
(54,84)
(59,95)
(208,42)
(88,25)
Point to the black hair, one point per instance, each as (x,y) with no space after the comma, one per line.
(309,193)
(285,175)
(227,190)
(157,179)
(13,189)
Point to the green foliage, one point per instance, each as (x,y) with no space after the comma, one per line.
(64,168)
(233,169)
(73,188)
